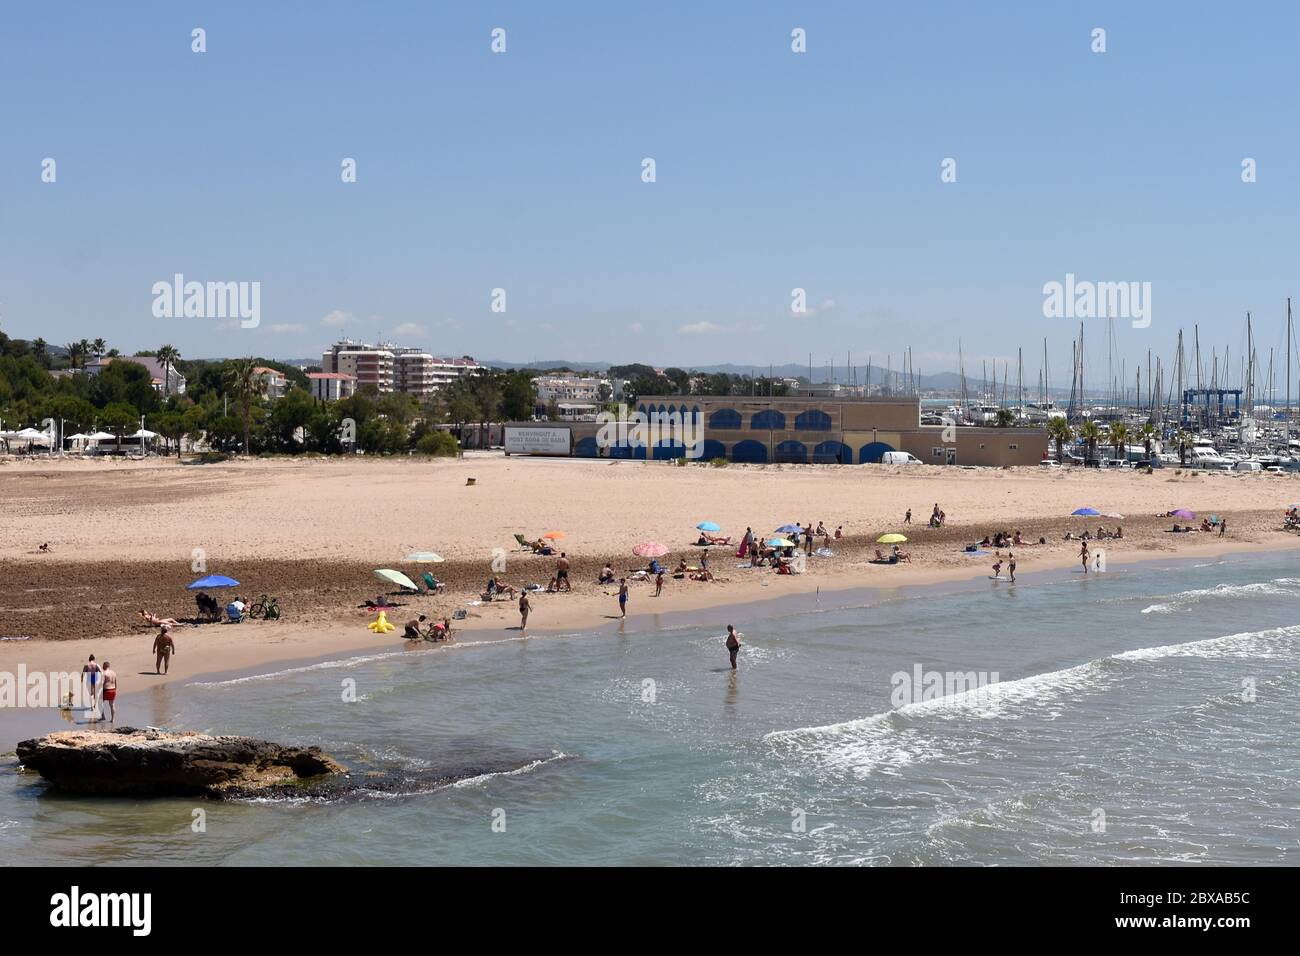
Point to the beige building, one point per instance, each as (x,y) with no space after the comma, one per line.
(820,430)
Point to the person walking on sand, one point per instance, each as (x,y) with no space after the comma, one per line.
(110,691)
(524,608)
(91,676)
(562,573)
(808,540)
(733,643)
(163,647)
(907,518)
(622,597)
(659,582)
(1223,526)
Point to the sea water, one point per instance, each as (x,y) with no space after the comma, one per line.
(1145,715)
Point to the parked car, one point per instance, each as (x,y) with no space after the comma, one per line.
(899,458)
(1049,463)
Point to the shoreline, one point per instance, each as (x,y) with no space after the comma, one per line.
(243,661)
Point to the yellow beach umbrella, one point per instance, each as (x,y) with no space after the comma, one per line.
(892,538)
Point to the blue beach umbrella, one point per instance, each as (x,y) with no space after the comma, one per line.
(1087,512)
(212,582)
(709,526)
(779,543)
(790,529)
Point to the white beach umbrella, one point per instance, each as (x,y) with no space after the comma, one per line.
(143,433)
(102,436)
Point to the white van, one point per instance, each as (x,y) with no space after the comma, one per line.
(899,458)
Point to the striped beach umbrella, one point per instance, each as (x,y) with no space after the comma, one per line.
(650,549)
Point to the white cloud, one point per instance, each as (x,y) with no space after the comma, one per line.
(408,330)
(701,328)
(337,318)
(288,327)
(636,328)
(712,328)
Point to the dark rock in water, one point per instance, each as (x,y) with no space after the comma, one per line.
(131,762)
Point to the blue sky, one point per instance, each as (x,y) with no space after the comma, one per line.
(775,170)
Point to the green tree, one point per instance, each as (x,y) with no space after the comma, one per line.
(1091,433)
(1059,430)
(119,418)
(242,379)
(439,444)
(1005,418)
(167,356)
(1118,434)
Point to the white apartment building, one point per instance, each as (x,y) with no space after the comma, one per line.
(394,368)
(331,386)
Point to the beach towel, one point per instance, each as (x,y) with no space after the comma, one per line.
(824,553)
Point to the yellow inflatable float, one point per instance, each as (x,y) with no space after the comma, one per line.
(380,624)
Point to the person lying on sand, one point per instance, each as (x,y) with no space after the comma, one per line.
(155,621)
(707,539)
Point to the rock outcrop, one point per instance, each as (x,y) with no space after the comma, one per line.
(131,762)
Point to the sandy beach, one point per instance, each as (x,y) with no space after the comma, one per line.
(123,536)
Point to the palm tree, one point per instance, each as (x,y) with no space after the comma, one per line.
(84,348)
(1059,430)
(99,345)
(166,356)
(1091,433)
(38,348)
(242,378)
(75,355)
(1119,439)
(1149,434)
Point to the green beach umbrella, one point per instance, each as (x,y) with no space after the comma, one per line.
(395,577)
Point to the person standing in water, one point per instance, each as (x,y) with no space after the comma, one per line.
(91,673)
(622,597)
(1083,556)
(524,608)
(733,643)
(1011,565)
(110,691)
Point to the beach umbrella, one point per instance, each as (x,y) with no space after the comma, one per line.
(395,577)
(1086,512)
(555,535)
(425,557)
(892,538)
(1184,513)
(789,529)
(708,526)
(779,543)
(212,582)
(650,549)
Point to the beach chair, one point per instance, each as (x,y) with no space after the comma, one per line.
(523,545)
(233,613)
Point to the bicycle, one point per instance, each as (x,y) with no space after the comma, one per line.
(266,608)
